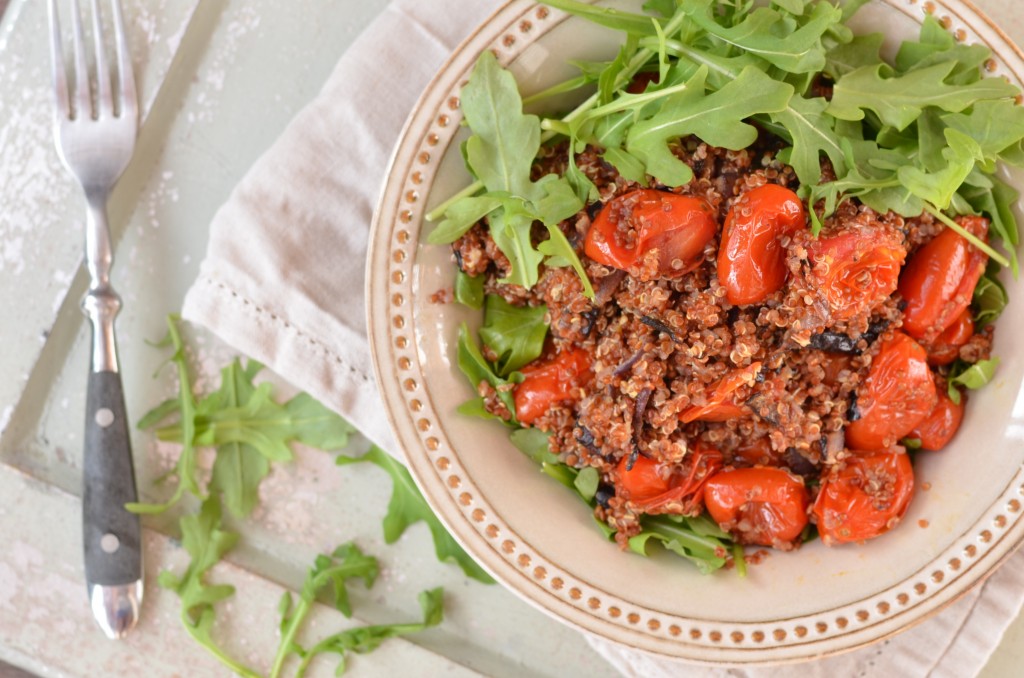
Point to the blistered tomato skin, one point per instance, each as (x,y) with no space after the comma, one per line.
(762,506)
(721,405)
(751,257)
(655,488)
(941,424)
(864,497)
(678,226)
(550,381)
(939,280)
(856,270)
(898,393)
(946,347)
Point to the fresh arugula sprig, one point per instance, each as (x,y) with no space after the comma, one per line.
(365,639)
(248,428)
(334,572)
(408,507)
(970,376)
(206,542)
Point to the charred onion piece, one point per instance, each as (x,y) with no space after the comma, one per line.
(656,324)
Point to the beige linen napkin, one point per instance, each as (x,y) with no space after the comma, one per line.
(283,282)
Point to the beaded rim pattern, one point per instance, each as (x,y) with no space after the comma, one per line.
(435,463)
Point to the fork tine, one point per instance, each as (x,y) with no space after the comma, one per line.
(129,106)
(60,79)
(83,100)
(104,101)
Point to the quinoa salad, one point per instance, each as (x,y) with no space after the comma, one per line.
(735,333)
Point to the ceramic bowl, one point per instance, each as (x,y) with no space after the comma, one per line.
(540,541)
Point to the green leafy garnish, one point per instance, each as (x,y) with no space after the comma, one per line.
(408,507)
(989,300)
(478,370)
(469,290)
(500,154)
(206,543)
(970,376)
(245,424)
(334,571)
(699,540)
(515,333)
(365,639)
(717,118)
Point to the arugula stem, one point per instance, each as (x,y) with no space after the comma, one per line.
(739,560)
(641,57)
(556,126)
(560,88)
(626,103)
(680,49)
(233,664)
(969,237)
(288,637)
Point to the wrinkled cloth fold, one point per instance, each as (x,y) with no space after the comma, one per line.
(283,282)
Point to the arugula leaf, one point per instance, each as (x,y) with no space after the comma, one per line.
(862,50)
(766,34)
(899,100)
(206,544)
(812,134)
(534,444)
(365,639)
(515,333)
(989,300)
(248,428)
(631,23)
(346,562)
(716,118)
(504,140)
(461,216)
(469,290)
(186,467)
(477,370)
(938,187)
(407,507)
(500,153)
(586,483)
(693,539)
(997,127)
(970,376)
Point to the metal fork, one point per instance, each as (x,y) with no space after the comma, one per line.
(95,130)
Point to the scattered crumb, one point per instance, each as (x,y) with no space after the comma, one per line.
(442,296)
(922,523)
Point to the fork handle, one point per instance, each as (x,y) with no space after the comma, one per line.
(112,536)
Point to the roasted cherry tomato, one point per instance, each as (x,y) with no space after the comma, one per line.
(721,406)
(751,258)
(763,506)
(941,424)
(939,279)
(857,269)
(550,381)
(634,224)
(946,347)
(864,496)
(651,486)
(898,393)
(757,452)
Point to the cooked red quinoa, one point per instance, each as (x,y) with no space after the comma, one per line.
(658,345)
